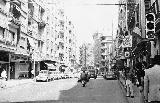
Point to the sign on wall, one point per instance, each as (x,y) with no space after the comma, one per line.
(127,41)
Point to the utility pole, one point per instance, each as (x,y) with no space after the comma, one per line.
(85,55)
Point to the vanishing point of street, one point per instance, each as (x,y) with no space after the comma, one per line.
(65,91)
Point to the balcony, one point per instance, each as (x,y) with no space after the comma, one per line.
(3,11)
(14,21)
(59,40)
(30,31)
(41,24)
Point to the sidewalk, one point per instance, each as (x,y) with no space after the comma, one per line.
(136,98)
(16,82)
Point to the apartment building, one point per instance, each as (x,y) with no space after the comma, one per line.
(102,49)
(97,49)
(86,58)
(32,32)
(64,42)
(106,48)
(15,52)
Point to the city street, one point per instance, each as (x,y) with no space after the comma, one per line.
(65,91)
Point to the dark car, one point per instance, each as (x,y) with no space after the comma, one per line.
(92,74)
(110,75)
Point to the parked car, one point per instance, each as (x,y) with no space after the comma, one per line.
(66,75)
(44,75)
(56,75)
(93,73)
(110,75)
(51,74)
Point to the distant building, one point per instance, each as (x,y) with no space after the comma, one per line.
(86,55)
(102,49)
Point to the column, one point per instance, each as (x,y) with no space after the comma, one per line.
(9,67)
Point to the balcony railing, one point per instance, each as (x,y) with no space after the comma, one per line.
(41,24)
(30,31)
(15,21)
(3,11)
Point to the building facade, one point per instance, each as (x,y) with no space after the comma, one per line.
(102,49)
(31,31)
(132,30)
(86,58)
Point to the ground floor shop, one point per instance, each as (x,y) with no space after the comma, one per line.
(17,66)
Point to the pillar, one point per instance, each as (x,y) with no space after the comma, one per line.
(9,67)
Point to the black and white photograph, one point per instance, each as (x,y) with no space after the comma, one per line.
(79,51)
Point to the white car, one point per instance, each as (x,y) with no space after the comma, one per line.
(44,75)
(66,75)
(56,74)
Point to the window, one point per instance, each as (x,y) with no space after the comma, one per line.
(22,43)
(10,36)
(2,32)
(70,40)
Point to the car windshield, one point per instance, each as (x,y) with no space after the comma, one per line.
(44,72)
(110,73)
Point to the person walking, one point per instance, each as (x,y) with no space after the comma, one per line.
(129,84)
(151,82)
(4,78)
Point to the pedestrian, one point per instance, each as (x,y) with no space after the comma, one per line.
(4,78)
(32,73)
(83,76)
(129,84)
(151,82)
(139,74)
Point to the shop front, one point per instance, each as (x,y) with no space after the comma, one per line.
(4,62)
(20,66)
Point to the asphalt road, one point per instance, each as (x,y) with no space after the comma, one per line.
(65,91)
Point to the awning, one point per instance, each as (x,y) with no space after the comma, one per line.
(49,61)
(50,66)
(64,66)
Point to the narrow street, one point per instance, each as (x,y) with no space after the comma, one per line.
(65,91)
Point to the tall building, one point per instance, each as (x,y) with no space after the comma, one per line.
(97,49)
(86,55)
(32,31)
(102,49)
(15,52)
(106,48)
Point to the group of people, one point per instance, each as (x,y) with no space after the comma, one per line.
(147,80)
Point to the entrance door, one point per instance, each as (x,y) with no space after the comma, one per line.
(12,70)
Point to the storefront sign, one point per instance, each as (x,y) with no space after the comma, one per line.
(127,42)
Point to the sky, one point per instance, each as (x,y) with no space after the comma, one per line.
(89,18)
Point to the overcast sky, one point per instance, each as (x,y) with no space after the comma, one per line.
(89,18)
